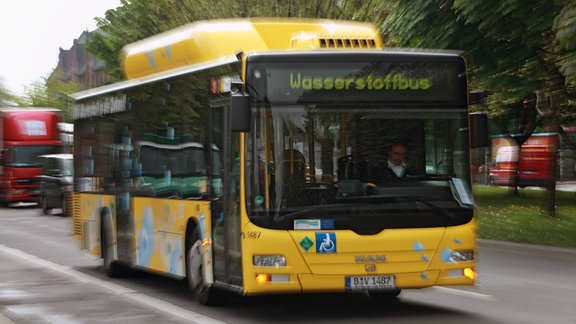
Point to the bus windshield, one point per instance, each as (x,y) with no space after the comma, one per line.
(333,163)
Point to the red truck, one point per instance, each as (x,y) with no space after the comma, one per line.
(537,159)
(530,165)
(25,134)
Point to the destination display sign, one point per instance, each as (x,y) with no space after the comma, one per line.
(402,81)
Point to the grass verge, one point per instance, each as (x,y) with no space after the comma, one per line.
(504,216)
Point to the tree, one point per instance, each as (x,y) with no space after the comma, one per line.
(6,97)
(565,32)
(513,48)
(535,58)
(52,93)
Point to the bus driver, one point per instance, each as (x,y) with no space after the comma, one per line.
(397,167)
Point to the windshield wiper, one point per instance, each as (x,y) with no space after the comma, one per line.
(366,202)
(278,218)
(442,177)
(443,211)
(302,212)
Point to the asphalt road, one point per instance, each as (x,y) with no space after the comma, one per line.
(45,279)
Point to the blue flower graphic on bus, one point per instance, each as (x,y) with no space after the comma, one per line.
(325,242)
(168,244)
(146,238)
(446,255)
(175,258)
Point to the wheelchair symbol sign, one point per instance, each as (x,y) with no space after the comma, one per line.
(325,243)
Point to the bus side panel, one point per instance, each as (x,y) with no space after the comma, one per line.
(87,212)
(261,241)
(159,238)
(457,238)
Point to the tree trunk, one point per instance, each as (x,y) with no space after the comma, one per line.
(549,199)
(548,105)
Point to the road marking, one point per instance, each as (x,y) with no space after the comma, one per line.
(464,293)
(5,320)
(132,294)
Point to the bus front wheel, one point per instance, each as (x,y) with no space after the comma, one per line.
(205,294)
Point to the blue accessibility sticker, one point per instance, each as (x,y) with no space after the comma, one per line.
(326,242)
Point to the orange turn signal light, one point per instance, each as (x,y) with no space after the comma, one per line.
(470,274)
(262,278)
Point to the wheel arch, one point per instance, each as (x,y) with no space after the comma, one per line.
(191,226)
(199,274)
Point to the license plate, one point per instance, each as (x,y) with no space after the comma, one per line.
(370,283)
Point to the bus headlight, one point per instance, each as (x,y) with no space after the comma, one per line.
(462,256)
(269,260)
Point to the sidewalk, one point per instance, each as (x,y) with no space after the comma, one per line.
(34,290)
(560,186)
(566,185)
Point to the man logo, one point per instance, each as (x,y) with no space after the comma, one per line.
(370,258)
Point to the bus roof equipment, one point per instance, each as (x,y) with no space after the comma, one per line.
(186,45)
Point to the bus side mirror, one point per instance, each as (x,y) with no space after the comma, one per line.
(478,129)
(240,105)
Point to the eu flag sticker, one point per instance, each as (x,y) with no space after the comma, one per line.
(326,242)
(327,224)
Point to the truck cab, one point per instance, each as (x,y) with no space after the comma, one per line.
(505,167)
(25,134)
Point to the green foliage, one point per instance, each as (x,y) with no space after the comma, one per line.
(516,50)
(505,216)
(6,97)
(565,28)
(427,24)
(504,41)
(511,46)
(50,92)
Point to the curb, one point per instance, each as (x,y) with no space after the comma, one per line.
(527,247)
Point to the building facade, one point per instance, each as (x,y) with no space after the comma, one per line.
(80,66)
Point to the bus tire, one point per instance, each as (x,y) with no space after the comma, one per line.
(205,295)
(110,265)
(44,205)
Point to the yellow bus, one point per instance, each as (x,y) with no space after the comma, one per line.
(251,156)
